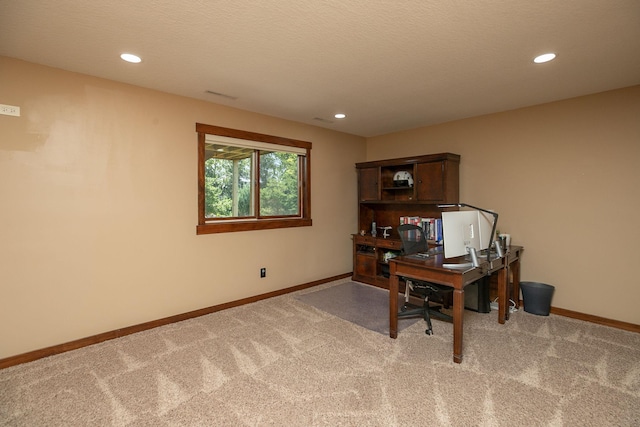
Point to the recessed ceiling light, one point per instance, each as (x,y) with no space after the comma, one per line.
(129,57)
(544,58)
(340,116)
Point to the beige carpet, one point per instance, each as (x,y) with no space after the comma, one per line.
(282,362)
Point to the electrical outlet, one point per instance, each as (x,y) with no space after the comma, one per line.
(263,272)
(9,110)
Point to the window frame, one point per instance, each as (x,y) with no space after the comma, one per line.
(209,226)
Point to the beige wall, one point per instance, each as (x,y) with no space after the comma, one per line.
(98,191)
(98,195)
(565,179)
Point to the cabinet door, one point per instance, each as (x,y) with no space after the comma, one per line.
(365,268)
(368,184)
(430,181)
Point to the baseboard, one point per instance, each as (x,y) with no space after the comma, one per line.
(631,327)
(95,339)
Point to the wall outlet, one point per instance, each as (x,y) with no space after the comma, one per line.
(263,272)
(9,110)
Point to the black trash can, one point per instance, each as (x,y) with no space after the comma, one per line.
(537,297)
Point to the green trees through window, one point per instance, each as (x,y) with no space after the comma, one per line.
(228,189)
(251,181)
(278,184)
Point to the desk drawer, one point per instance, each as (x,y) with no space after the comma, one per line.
(389,244)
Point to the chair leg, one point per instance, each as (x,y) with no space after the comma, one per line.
(408,287)
(424,310)
(427,317)
(435,311)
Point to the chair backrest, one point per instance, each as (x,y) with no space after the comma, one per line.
(413,239)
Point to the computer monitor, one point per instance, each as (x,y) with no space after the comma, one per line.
(461,230)
(465,229)
(462,226)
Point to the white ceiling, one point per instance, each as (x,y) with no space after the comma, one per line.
(390,65)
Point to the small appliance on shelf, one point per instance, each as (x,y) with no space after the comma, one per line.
(402,179)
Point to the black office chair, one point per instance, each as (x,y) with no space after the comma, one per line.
(414,241)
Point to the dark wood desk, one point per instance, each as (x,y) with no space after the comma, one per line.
(431,270)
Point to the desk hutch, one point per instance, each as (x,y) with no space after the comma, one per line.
(435,181)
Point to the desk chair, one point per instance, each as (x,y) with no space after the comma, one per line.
(414,241)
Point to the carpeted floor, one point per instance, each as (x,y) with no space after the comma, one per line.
(283,362)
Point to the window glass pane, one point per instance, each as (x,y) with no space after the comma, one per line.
(279,190)
(227,182)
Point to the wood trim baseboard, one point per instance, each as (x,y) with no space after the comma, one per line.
(106,336)
(631,327)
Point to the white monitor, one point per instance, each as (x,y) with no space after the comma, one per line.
(461,230)
(465,229)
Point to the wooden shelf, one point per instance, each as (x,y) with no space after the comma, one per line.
(435,181)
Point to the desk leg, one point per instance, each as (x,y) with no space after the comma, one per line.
(503,300)
(393,306)
(515,292)
(458,315)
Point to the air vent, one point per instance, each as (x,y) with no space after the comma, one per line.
(320,119)
(222,95)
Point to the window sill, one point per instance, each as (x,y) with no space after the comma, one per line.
(262,224)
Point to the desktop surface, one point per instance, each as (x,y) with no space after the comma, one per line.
(437,250)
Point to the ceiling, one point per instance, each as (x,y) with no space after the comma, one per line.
(389,65)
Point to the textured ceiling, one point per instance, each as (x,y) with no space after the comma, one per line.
(390,65)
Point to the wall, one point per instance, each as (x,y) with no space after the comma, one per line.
(564,178)
(98,187)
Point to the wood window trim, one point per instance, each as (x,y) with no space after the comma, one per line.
(231,225)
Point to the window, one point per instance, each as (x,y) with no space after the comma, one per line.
(251,181)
